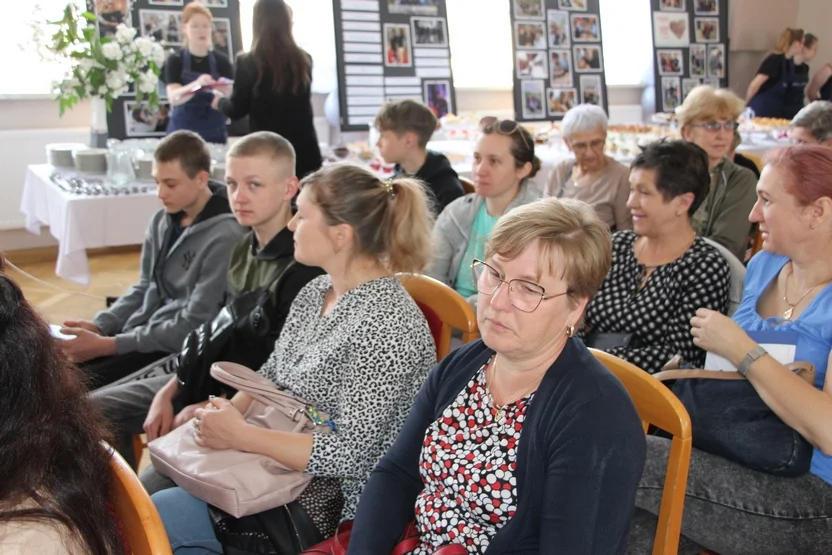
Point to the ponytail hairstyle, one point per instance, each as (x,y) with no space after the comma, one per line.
(392,220)
(787,38)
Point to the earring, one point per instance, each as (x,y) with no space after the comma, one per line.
(570,330)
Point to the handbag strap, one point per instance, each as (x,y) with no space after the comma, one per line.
(258,386)
(806,370)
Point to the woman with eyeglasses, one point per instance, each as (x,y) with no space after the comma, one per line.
(592,176)
(662,273)
(522,441)
(504,160)
(708,118)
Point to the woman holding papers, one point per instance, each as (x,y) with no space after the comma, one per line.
(192,73)
(272,85)
(788,291)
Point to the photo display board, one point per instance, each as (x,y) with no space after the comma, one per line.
(690,39)
(161,20)
(558,59)
(391,50)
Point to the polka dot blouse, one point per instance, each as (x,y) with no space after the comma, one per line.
(659,313)
(467,464)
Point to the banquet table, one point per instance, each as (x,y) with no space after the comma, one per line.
(80,222)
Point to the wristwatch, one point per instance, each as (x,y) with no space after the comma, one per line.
(749,359)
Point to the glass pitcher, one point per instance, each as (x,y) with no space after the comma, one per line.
(120,166)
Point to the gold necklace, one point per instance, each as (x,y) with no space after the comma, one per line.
(497,411)
(787,314)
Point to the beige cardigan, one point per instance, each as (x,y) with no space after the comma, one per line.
(607,195)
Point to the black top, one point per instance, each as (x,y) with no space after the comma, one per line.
(746,162)
(826,90)
(173,66)
(284,113)
(441,179)
(773,66)
(579,461)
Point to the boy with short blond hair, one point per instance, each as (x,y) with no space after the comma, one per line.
(261,182)
(405,127)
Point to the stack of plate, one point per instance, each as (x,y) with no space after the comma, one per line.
(91,160)
(60,154)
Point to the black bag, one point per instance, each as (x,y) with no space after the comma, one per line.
(730,419)
(285,530)
(245,316)
(607,341)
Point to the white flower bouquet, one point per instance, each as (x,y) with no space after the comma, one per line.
(103,67)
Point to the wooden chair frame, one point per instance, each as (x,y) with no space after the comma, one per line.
(658,406)
(467,185)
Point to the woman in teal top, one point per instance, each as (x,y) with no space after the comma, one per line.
(504,160)
(788,288)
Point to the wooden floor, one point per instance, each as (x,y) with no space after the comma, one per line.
(113,272)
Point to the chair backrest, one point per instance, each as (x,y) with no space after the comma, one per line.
(754,158)
(737,275)
(142,525)
(657,405)
(444,303)
(467,185)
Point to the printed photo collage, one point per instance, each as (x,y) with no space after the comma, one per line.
(558,57)
(690,48)
(161,20)
(391,50)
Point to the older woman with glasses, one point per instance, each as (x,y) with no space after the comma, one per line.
(708,118)
(522,441)
(662,273)
(504,160)
(813,125)
(592,176)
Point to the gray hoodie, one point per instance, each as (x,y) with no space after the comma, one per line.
(453,229)
(178,290)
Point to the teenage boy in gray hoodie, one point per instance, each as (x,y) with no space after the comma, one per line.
(182,280)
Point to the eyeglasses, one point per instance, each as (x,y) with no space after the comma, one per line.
(490,124)
(522,294)
(580,148)
(714,126)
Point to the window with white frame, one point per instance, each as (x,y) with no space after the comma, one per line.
(479,31)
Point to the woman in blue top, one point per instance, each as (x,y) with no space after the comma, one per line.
(788,288)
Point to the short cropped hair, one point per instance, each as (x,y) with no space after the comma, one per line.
(188,148)
(816,118)
(568,227)
(264,143)
(705,103)
(404,116)
(681,167)
(583,118)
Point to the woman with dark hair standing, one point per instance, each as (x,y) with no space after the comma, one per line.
(52,495)
(272,85)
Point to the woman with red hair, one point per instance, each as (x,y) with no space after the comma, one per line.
(788,290)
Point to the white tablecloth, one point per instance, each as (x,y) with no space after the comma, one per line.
(81,222)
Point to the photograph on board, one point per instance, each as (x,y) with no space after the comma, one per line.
(560,101)
(531,64)
(716,60)
(670,30)
(574,5)
(585,28)
(591,90)
(697,60)
(164,26)
(430,31)
(528,9)
(438,97)
(411,7)
(671,94)
(140,120)
(670,62)
(534,101)
(706,7)
(558,28)
(672,5)
(560,67)
(530,34)
(588,58)
(707,29)
(397,49)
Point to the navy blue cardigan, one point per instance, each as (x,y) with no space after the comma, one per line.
(579,462)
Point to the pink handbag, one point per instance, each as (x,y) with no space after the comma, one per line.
(237,482)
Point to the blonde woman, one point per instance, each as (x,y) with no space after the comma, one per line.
(354,343)
(779,85)
(708,118)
